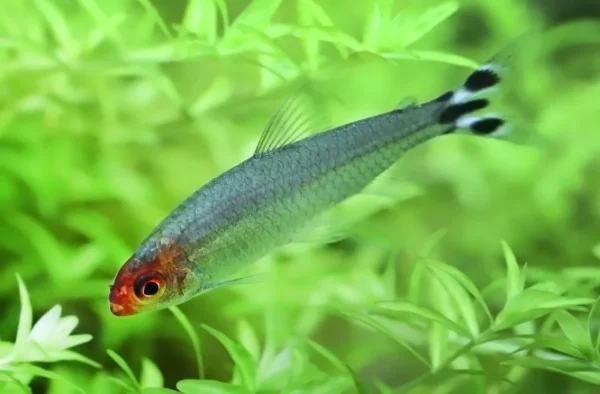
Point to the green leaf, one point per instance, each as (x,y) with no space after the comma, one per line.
(57,24)
(187,326)
(222,6)
(411,29)
(317,12)
(327,34)
(158,390)
(449,373)
(432,56)
(377,325)
(155,15)
(242,358)
(99,228)
(532,304)
(150,375)
(552,365)
(461,302)
(415,283)
(106,24)
(247,337)
(124,385)
(383,388)
(465,282)
(123,365)
(209,387)
(514,284)
(457,294)
(329,385)
(201,18)
(596,251)
(547,342)
(258,13)
(37,371)
(587,376)
(43,244)
(398,309)
(373,26)
(25,318)
(73,356)
(86,259)
(438,345)
(590,318)
(311,14)
(275,370)
(332,358)
(339,365)
(432,242)
(575,332)
(11,385)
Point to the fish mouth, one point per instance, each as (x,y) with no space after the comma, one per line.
(121,310)
(119,305)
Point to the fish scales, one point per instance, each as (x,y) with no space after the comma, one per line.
(279,191)
(265,201)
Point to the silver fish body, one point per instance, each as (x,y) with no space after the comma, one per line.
(264,202)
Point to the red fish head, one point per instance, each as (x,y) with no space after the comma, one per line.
(148,282)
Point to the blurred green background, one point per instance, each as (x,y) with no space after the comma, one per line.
(114,111)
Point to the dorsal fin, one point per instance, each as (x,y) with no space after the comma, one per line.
(297,117)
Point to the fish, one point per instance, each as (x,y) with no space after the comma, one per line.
(290,179)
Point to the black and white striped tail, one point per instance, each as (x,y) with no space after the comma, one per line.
(466,106)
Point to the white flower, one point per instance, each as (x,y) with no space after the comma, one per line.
(48,340)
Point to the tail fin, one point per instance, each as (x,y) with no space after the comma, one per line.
(462,112)
(468,107)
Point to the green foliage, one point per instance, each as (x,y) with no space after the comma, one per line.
(561,343)
(113,111)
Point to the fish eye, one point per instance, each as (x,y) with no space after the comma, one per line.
(149,286)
